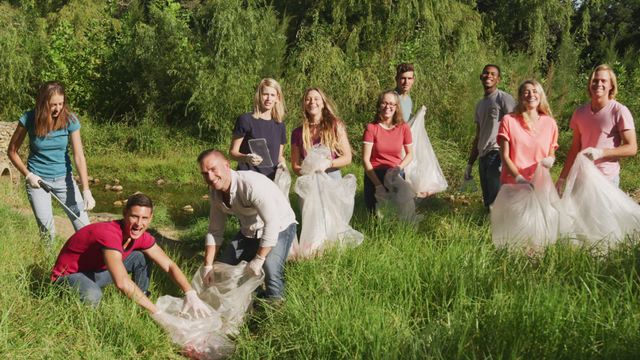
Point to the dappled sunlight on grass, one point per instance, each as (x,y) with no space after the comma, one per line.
(436,289)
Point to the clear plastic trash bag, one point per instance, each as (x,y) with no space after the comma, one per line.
(601,214)
(327,208)
(399,200)
(527,217)
(317,155)
(424,172)
(283,180)
(229,297)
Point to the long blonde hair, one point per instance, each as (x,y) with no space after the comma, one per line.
(44,123)
(277,112)
(330,124)
(543,107)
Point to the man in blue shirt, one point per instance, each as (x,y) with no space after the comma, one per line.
(405,77)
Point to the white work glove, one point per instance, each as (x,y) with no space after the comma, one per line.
(255,265)
(548,162)
(193,303)
(467,172)
(33,180)
(592,153)
(253,159)
(207,275)
(521,180)
(560,186)
(381,192)
(89,201)
(322,165)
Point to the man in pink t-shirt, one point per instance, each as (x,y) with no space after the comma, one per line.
(603,129)
(103,253)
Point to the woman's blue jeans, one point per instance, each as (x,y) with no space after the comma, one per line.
(67,191)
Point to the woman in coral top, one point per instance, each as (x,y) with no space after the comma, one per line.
(527,136)
(384,141)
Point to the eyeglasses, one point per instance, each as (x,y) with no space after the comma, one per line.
(389,105)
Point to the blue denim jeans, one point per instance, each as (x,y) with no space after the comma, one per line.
(245,248)
(89,284)
(489,167)
(67,191)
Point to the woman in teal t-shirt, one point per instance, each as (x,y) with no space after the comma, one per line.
(51,127)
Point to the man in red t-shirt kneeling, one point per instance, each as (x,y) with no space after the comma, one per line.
(103,253)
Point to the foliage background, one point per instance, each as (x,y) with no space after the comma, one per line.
(193,65)
(156,81)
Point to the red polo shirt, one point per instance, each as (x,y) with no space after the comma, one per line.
(83,251)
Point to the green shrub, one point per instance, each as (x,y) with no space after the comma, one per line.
(16,64)
(242,42)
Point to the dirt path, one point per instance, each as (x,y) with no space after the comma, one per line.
(65,229)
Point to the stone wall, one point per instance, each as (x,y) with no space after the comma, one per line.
(6,168)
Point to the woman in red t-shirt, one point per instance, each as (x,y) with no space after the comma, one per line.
(384,141)
(527,136)
(320,126)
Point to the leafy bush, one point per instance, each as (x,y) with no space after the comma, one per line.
(242,42)
(16,64)
(195,65)
(152,66)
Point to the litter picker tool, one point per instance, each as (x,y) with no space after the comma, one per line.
(46,187)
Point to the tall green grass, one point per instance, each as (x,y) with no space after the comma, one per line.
(40,321)
(450,294)
(438,289)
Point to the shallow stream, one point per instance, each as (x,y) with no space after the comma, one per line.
(171,196)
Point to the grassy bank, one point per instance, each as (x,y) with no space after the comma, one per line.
(443,291)
(39,321)
(435,290)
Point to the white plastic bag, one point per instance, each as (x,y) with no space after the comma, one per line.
(326,211)
(526,216)
(283,180)
(230,296)
(601,214)
(399,201)
(424,172)
(318,154)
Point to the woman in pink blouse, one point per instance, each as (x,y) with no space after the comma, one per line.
(527,136)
